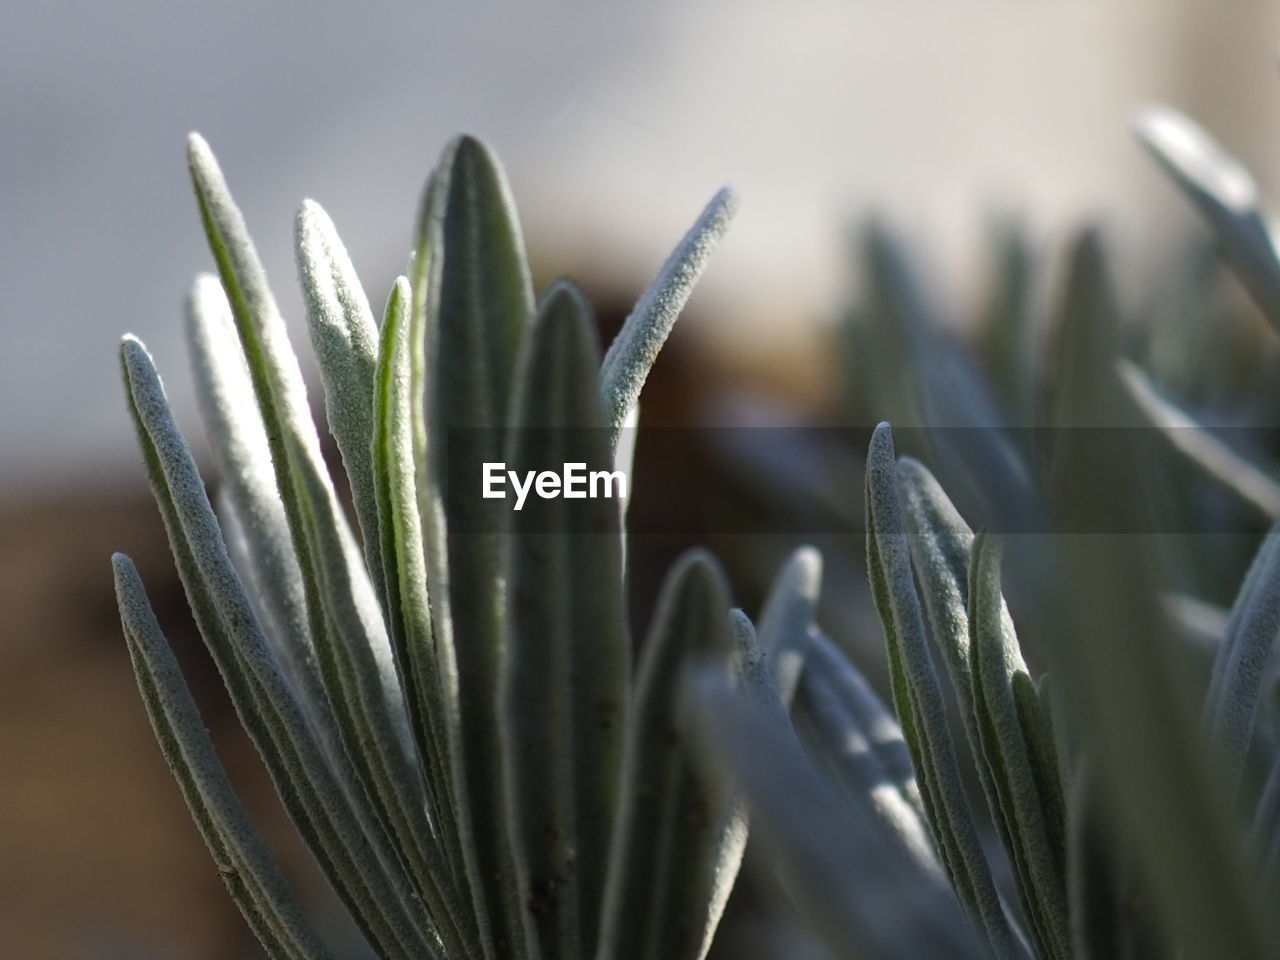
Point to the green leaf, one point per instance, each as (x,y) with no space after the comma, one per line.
(351,643)
(631,355)
(1224,194)
(1034,843)
(668,837)
(789,611)
(1244,661)
(1189,437)
(567,657)
(239,444)
(246,868)
(1122,682)
(345,340)
(839,715)
(349,843)
(918,699)
(855,887)
(471,306)
(403,561)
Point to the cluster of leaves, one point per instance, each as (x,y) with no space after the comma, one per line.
(1135,797)
(445,704)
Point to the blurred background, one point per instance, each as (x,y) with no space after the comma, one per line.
(616,122)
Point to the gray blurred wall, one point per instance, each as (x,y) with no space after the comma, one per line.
(616,121)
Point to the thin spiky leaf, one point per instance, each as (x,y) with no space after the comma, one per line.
(1033,844)
(246,868)
(341,833)
(240,449)
(472,303)
(838,713)
(919,703)
(562,702)
(631,355)
(403,561)
(1225,195)
(1243,661)
(345,340)
(1190,438)
(789,610)
(666,843)
(855,887)
(350,638)
(1124,684)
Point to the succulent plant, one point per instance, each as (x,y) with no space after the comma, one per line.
(445,703)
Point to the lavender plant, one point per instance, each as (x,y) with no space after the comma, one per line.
(444,701)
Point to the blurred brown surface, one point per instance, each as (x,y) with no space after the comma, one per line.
(98,857)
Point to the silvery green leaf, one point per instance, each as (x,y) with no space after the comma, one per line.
(752,674)
(840,716)
(403,562)
(240,449)
(563,696)
(943,390)
(941,545)
(1224,194)
(350,639)
(631,355)
(1032,820)
(246,868)
(273,369)
(350,845)
(345,340)
(918,700)
(789,612)
(857,889)
(1122,682)
(1241,667)
(471,306)
(668,836)
(1200,446)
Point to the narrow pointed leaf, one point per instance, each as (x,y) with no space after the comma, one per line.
(667,840)
(301,476)
(341,835)
(857,889)
(1244,659)
(1201,447)
(631,355)
(345,340)
(1033,843)
(918,700)
(403,562)
(1225,195)
(566,657)
(789,611)
(472,303)
(1124,684)
(250,875)
(239,443)
(838,713)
